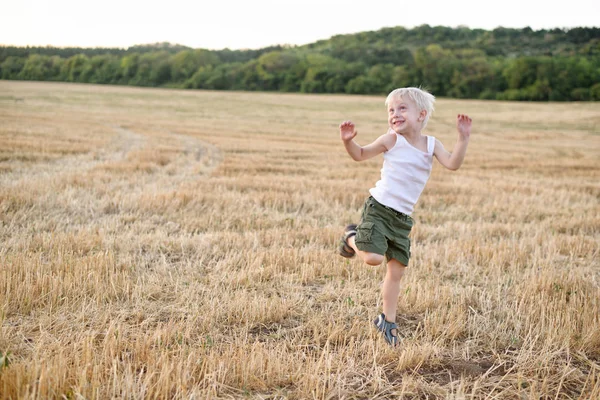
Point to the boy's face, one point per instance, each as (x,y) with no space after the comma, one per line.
(404,116)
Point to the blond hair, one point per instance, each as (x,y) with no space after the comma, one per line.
(422,99)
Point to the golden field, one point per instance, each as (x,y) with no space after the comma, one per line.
(161,244)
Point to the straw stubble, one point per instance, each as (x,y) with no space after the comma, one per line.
(182,244)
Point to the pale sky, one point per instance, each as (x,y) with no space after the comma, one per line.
(254,24)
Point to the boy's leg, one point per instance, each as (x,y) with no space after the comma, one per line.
(385,322)
(391,288)
(369,258)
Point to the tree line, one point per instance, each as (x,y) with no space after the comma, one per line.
(501,64)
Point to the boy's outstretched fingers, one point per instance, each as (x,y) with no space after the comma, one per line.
(346,124)
(463,123)
(347,131)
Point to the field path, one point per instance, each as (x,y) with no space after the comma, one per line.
(135,169)
(126,142)
(197,158)
(118,148)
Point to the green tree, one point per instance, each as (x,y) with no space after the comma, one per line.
(293,77)
(380,76)
(521,72)
(185,63)
(153,69)
(106,69)
(11,67)
(223,77)
(73,68)
(403,76)
(359,85)
(272,68)
(40,68)
(470,78)
(248,75)
(320,69)
(129,67)
(436,67)
(595,92)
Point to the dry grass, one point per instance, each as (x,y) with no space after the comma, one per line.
(180,244)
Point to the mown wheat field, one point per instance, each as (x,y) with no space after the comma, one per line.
(162,243)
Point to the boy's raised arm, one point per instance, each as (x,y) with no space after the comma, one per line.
(454,160)
(359,153)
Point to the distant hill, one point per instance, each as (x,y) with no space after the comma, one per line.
(504,63)
(498,42)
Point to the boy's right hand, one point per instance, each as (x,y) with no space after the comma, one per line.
(347,131)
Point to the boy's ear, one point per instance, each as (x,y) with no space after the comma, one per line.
(422,115)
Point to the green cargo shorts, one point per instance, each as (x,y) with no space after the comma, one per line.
(383,230)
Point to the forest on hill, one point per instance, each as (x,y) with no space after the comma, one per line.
(502,64)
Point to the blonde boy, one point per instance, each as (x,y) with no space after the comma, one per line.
(407,162)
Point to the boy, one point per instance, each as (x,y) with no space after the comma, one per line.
(407,161)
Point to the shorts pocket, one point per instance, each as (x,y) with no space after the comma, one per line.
(364,232)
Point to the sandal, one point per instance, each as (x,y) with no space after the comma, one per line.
(345,250)
(386,327)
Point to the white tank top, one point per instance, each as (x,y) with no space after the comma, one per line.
(405,171)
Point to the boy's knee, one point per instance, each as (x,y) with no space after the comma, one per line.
(373,258)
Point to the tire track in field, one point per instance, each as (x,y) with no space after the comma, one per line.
(126,142)
(44,172)
(196,158)
(199,158)
(98,187)
(48,196)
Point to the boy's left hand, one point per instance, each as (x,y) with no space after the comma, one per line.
(463,124)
